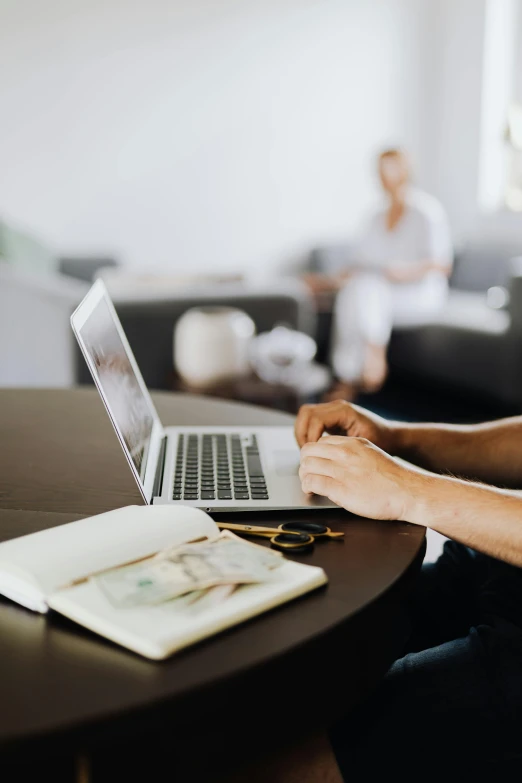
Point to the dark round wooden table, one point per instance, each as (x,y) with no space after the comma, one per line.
(65,691)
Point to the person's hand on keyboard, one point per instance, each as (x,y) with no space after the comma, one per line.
(343,418)
(361,478)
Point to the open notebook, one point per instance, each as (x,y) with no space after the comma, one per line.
(37,571)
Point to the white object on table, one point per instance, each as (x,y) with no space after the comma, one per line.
(211,344)
(282,355)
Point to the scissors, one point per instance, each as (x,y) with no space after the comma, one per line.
(290,536)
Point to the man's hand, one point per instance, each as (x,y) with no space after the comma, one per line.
(411,273)
(358,476)
(342,418)
(320,284)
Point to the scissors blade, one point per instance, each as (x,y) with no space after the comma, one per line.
(254,530)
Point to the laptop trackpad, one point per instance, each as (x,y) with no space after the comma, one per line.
(286,462)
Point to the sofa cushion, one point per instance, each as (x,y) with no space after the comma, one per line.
(481,266)
(469,311)
(468,346)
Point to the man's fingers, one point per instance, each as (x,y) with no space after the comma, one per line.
(338,440)
(309,425)
(313,420)
(301,425)
(324,485)
(315,429)
(319,449)
(332,447)
(340,416)
(320,467)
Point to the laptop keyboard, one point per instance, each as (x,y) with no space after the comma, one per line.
(218,467)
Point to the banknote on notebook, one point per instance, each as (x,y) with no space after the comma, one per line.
(189,568)
(151,578)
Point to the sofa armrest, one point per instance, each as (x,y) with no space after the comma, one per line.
(54,286)
(85,268)
(36,344)
(330,259)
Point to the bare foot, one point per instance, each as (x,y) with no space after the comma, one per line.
(375,368)
(341,391)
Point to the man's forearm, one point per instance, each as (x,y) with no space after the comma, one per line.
(484,518)
(490,452)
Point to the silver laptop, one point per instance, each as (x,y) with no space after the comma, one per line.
(219,468)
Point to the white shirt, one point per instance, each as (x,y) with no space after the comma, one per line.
(422,234)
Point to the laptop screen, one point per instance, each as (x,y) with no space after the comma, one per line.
(127,403)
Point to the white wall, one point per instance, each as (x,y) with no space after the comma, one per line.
(211,132)
(452,63)
(465,66)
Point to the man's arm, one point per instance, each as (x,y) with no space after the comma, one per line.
(358,476)
(320,283)
(490,452)
(481,517)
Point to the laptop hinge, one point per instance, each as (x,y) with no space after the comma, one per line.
(160,468)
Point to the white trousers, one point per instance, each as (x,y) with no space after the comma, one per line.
(367,308)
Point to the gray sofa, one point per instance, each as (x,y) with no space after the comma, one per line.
(469,346)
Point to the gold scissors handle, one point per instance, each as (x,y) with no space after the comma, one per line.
(279,539)
(332,534)
(298,536)
(315,529)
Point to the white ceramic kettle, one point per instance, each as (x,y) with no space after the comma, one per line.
(211,344)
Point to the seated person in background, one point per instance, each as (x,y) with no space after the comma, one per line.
(452,706)
(399,278)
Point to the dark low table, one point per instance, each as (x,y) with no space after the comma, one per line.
(254,390)
(64,692)
(250,389)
